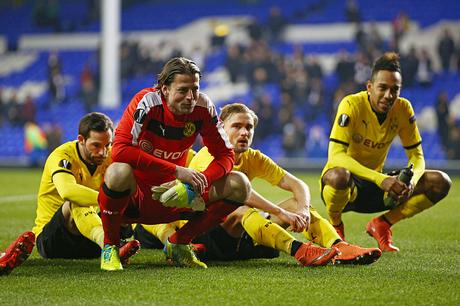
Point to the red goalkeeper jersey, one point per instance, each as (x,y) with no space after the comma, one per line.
(153,140)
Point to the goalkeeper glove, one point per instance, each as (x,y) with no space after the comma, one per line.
(180,195)
(157,191)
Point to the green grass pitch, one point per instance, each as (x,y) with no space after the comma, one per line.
(425,272)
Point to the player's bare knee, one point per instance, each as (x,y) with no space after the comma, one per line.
(119,177)
(69,222)
(439,185)
(338,178)
(237,215)
(66,210)
(233,223)
(240,211)
(240,187)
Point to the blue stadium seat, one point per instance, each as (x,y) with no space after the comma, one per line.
(74,12)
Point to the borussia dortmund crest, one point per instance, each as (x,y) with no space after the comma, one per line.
(189,129)
(394,124)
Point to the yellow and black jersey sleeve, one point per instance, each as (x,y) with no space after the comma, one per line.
(343,124)
(408,130)
(255,164)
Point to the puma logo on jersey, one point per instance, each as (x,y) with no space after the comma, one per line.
(162,129)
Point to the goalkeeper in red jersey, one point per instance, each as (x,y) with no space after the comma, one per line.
(147,181)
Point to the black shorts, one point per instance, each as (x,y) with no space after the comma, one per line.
(55,241)
(369,197)
(218,244)
(147,240)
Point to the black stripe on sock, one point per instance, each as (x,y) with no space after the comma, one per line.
(115,194)
(296,244)
(337,241)
(233,202)
(386,220)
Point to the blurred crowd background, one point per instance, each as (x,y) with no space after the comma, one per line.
(290,61)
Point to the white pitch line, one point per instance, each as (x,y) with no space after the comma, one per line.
(17,198)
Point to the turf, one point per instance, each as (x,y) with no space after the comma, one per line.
(425,272)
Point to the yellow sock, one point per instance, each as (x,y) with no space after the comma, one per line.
(320,231)
(88,223)
(265,232)
(413,206)
(335,200)
(163,231)
(97,235)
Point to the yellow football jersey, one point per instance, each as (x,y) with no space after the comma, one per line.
(356,126)
(253,163)
(66,158)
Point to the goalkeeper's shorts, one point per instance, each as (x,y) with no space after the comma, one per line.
(141,208)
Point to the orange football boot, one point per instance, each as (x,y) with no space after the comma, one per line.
(312,255)
(380,230)
(351,254)
(17,253)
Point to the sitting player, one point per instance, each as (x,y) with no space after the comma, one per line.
(67,223)
(234,239)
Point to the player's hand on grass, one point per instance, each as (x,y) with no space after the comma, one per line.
(179,195)
(196,179)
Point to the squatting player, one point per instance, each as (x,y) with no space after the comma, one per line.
(149,153)
(67,224)
(232,239)
(365,126)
